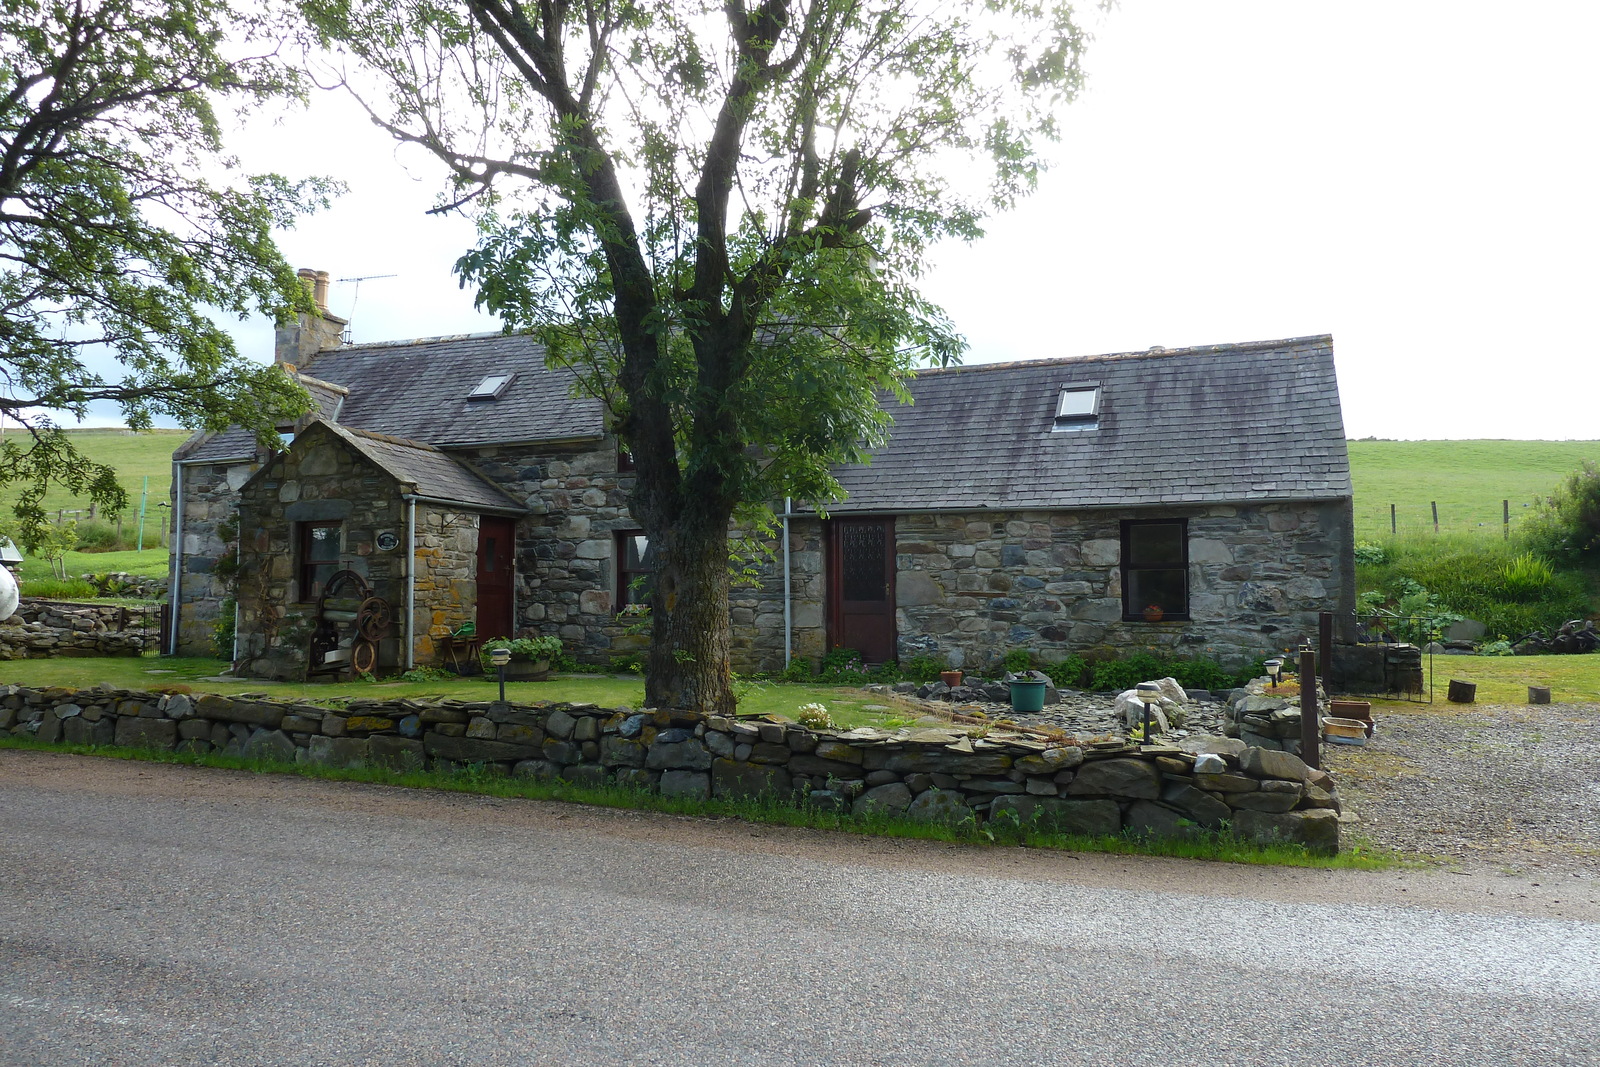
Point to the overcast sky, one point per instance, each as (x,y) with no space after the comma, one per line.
(1417,179)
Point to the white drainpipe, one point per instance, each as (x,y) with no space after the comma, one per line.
(411,579)
(175,586)
(788,600)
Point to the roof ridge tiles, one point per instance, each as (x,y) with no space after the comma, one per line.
(1154,352)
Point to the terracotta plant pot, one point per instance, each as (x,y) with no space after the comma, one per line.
(950,678)
(1152,614)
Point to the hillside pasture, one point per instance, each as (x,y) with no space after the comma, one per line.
(134,456)
(1467,479)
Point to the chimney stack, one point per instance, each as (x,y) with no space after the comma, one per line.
(297,343)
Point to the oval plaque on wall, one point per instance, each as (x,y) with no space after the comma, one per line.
(388,541)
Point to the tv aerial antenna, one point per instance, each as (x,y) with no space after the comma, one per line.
(355,296)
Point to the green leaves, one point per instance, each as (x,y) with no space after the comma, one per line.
(717,214)
(115,245)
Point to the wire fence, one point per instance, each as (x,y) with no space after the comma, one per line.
(1497,520)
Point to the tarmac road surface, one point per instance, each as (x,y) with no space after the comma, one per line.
(159,915)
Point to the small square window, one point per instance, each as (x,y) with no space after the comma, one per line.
(491,386)
(1078,407)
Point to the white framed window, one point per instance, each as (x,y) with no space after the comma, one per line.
(1078,407)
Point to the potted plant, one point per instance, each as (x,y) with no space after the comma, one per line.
(530,657)
(1153,613)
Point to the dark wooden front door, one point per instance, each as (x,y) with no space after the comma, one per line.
(496,571)
(861,587)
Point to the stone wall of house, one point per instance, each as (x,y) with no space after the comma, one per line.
(321,478)
(566,547)
(209,512)
(931,774)
(757,608)
(972,587)
(447,578)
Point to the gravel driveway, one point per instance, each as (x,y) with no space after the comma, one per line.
(1498,786)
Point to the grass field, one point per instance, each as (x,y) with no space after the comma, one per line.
(1468,480)
(135,456)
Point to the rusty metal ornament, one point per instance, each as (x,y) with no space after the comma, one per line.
(373,618)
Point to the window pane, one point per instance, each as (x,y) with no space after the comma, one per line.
(1155,545)
(863,574)
(636,553)
(323,545)
(1077,402)
(1165,589)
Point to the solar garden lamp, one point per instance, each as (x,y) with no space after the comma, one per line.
(1274,669)
(1149,693)
(500,657)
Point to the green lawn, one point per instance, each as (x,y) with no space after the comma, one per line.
(1468,480)
(1505,679)
(847,706)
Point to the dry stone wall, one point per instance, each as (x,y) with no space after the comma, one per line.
(930,774)
(43,629)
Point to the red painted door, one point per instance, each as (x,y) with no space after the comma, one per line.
(861,587)
(496,572)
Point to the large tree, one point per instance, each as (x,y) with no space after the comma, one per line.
(124,227)
(717,213)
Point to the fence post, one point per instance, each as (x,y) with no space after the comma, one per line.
(1435,504)
(1505,520)
(1310,728)
(1392,528)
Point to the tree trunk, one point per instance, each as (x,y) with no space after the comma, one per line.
(689,639)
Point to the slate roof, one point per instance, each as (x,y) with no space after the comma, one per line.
(427,470)
(231,444)
(1234,423)
(417,390)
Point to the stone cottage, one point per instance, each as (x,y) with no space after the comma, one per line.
(1191,500)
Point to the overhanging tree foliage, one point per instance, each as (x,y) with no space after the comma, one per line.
(717,213)
(121,221)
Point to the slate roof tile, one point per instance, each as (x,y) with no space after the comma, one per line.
(1244,422)
(418,390)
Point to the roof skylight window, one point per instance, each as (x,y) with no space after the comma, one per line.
(1078,408)
(491,386)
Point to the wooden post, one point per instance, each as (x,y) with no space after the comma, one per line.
(1393,529)
(1435,504)
(1310,727)
(1505,520)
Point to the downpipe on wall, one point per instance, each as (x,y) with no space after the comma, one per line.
(788,591)
(411,578)
(175,586)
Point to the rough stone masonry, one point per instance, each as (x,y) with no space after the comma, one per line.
(920,773)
